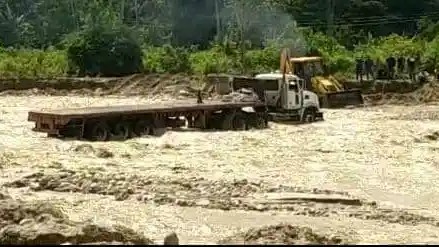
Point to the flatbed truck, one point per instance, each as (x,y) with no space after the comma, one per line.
(124,122)
(278,97)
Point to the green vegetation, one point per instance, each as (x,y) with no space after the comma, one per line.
(48,38)
(104,50)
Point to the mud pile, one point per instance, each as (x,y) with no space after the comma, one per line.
(221,194)
(282,234)
(425,94)
(41,223)
(138,84)
(242,95)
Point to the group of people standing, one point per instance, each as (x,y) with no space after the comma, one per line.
(393,66)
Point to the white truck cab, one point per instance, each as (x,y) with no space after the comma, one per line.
(291,98)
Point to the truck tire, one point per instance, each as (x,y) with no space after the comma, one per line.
(122,130)
(309,115)
(142,128)
(234,121)
(98,131)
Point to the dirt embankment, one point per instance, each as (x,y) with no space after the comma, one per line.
(378,92)
(427,93)
(382,86)
(139,84)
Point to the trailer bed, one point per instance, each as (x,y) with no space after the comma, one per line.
(103,122)
(175,106)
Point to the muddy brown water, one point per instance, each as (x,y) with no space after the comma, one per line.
(201,184)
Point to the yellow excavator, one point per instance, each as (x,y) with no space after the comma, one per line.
(331,93)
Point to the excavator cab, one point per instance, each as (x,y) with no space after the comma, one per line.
(332,94)
(307,68)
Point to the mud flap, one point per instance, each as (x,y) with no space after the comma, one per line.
(342,99)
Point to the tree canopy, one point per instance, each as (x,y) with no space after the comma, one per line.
(116,37)
(43,23)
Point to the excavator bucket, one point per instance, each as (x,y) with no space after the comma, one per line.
(333,94)
(340,99)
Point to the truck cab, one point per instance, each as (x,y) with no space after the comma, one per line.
(293,96)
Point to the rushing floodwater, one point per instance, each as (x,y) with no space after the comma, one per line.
(377,153)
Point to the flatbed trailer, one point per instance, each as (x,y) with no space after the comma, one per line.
(123,122)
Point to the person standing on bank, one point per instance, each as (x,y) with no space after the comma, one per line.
(401,65)
(369,68)
(411,68)
(391,62)
(359,69)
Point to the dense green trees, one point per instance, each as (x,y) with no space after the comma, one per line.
(236,29)
(40,23)
(100,49)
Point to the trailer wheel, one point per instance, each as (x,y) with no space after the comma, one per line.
(122,130)
(234,121)
(159,128)
(261,123)
(158,131)
(142,128)
(99,132)
(240,122)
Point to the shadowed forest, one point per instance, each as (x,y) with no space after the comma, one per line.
(47,38)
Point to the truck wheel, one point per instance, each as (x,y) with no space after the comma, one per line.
(309,115)
(122,130)
(99,132)
(142,128)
